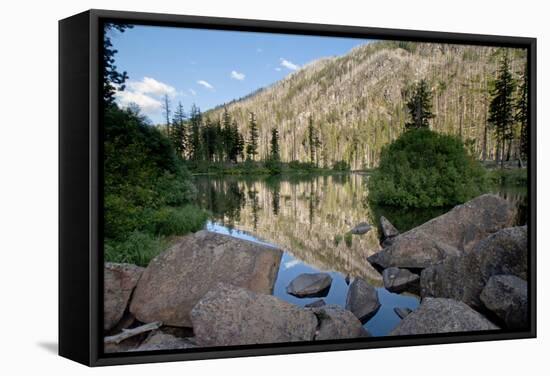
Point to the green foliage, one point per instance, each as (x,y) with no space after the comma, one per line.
(112,78)
(178,220)
(509,177)
(138,248)
(424,169)
(337,239)
(147,190)
(522,114)
(252,147)
(348,239)
(501,116)
(420,106)
(341,166)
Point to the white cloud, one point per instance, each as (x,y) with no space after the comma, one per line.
(291,264)
(237,76)
(151,86)
(147,103)
(193,92)
(288,64)
(278,69)
(205,84)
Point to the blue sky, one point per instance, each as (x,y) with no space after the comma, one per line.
(210,67)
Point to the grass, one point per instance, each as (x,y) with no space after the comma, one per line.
(509,177)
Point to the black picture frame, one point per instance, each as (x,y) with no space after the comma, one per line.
(80,185)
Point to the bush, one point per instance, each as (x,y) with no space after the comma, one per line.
(138,248)
(509,177)
(423,169)
(147,190)
(178,221)
(341,166)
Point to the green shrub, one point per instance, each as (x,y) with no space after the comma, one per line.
(178,221)
(274,166)
(138,248)
(337,239)
(423,169)
(341,166)
(509,177)
(348,239)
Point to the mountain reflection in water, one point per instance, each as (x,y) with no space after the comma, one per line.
(308,217)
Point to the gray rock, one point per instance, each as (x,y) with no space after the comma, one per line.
(315,304)
(506,296)
(399,280)
(229,315)
(361,228)
(310,284)
(362,300)
(463,278)
(337,323)
(177,279)
(159,340)
(388,230)
(437,315)
(119,282)
(402,312)
(451,234)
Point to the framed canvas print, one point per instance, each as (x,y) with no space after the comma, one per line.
(239,187)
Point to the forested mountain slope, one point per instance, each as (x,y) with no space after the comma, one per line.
(357,102)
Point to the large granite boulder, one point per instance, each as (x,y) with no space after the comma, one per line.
(399,280)
(229,315)
(463,278)
(388,230)
(119,280)
(506,297)
(451,234)
(310,285)
(362,300)
(337,323)
(177,279)
(437,315)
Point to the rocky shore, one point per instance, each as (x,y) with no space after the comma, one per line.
(469,267)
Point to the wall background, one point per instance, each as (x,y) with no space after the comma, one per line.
(28,187)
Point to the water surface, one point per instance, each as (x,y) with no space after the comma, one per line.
(308,218)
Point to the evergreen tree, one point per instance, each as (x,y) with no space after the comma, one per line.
(195,118)
(179,134)
(501,107)
(311,140)
(252,147)
(239,148)
(522,115)
(113,80)
(420,106)
(228,136)
(167,113)
(274,153)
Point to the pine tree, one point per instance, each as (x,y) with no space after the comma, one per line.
(501,108)
(228,136)
(113,80)
(252,147)
(420,107)
(274,153)
(311,140)
(167,113)
(239,147)
(522,115)
(195,118)
(178,133)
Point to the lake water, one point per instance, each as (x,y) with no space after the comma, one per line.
(308,218)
